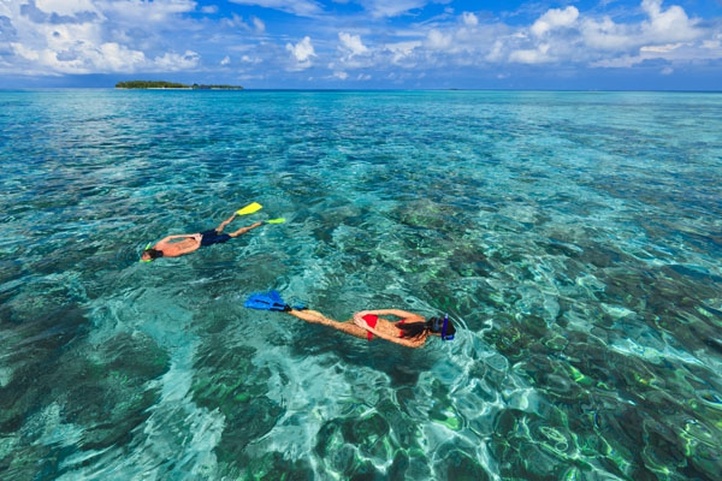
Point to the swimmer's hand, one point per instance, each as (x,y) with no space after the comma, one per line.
(358,319)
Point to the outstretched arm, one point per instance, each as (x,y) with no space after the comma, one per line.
(316,317)
(181,236)
(393,312)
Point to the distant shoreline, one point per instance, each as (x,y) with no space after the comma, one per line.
(164,85)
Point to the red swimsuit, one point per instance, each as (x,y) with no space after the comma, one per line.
(371,320)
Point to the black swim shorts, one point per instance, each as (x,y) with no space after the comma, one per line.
(211,237)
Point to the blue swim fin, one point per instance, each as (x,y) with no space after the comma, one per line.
(266,301)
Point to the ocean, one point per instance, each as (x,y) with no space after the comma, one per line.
(574,239)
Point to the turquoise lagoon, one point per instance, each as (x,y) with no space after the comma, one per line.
(574,237)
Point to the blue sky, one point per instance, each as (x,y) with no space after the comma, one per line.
(366,44)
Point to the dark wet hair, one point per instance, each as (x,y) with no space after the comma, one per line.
(154,253)
(438,325)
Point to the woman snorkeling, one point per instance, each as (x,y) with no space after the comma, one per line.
(410,329)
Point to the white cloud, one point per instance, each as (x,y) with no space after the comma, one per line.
(174,62)
(660,48)
(85,36)
(138,13)
(354,54)
(65,7)
(668,25)
(469,19)
(302,8)
(254,24)
(553,19)
(26,53)
(251,60)
(565,35)
(258,24)
(402,50)
(391,8)
(496,52)
(112,57)
(661,26)
(352,44)
(82,59)
(94,36)
(437,40)
(604,34)
(675,54)
(531,56)
(301,53)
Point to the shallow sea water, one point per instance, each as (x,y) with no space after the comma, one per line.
(574,238)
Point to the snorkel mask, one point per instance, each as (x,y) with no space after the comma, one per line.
(441,325)
(150,244)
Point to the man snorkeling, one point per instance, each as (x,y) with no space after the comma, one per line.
(178,245)
(411,330)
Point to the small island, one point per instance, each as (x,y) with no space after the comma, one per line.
(162,84)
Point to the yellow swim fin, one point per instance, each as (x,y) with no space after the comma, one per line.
(280,220)
(250,208)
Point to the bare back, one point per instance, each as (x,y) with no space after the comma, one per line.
(178,248)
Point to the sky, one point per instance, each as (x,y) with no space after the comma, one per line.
(365,44)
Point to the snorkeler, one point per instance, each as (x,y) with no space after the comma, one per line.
(178,245)
(412,330)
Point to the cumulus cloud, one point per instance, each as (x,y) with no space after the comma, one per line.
(61,8)
(352,44)
(354,54)
(661,26)
(553,19)
(675,53)
(667,25)
(566,35)
(401,51)
(301,54)
(437,40)
(104,36)
(90,36)
(173,62)
(540,54)
(83,59)
(469,19)
(605,34)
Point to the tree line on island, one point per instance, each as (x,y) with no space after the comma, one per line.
(162,84)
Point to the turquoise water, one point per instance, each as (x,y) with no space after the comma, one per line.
(575,239)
